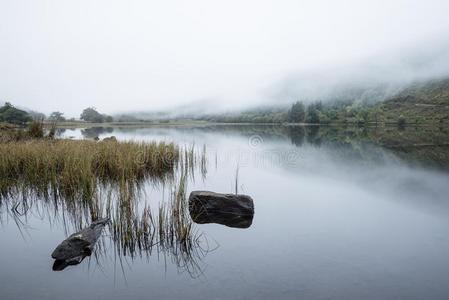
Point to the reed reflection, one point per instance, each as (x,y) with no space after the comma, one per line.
(136,229)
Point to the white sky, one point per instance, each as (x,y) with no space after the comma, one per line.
(145,55)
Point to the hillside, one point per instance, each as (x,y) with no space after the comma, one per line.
(420,103)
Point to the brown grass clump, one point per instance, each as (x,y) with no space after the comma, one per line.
(74,169)
(76,181)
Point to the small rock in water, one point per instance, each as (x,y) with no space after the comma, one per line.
(227,209)
(76,247)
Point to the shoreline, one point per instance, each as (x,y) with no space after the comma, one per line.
(205,124)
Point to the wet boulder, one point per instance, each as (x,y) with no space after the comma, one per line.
(227,209)
(76,247)
(60,264)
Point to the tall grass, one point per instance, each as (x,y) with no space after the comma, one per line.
(76,182)
(169,231)
(34,130)
(74,169)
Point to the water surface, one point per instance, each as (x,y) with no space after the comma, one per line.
(339,214)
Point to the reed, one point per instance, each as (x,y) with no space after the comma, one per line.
(75,169)
(75,182)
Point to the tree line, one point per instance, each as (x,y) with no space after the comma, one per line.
(299,114)
(11,114)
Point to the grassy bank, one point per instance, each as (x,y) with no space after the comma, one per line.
(77,181)
(75,168)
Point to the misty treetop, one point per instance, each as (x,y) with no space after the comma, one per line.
(91,114)
(313,112)
(297,113)
(13,115)
(56,116)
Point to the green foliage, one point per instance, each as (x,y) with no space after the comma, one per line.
(297,113)
(324,118)
(423,103)
(90,114)
(10,114)
(261,115)
(313,115)
(56,116)
(362,117)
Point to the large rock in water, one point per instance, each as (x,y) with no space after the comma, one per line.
(76,247)
(226,209)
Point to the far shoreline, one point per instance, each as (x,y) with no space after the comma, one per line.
(149,124)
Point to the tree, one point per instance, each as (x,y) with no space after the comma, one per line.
(90,114)
(57,116)
(297,113)
(362,117)
(10,114)
(313,115)
(5,107)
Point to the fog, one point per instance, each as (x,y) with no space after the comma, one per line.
(152,55)
(371,79)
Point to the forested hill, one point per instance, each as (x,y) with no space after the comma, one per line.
(419,103)
(434,92)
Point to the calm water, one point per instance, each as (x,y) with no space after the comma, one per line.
(337,216)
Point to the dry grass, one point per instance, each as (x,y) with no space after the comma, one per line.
(11,133)
(169,231)
(74,169)
(76,181)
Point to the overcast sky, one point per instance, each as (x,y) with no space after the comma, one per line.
(145,55)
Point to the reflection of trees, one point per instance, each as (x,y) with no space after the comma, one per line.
(60,131)
(296,134)
(427,146)
(423,145)
(313,135)
(94,132)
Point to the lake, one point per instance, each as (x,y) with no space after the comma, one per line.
(339,214)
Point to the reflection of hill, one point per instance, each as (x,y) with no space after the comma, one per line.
(424,146)
(427,146)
